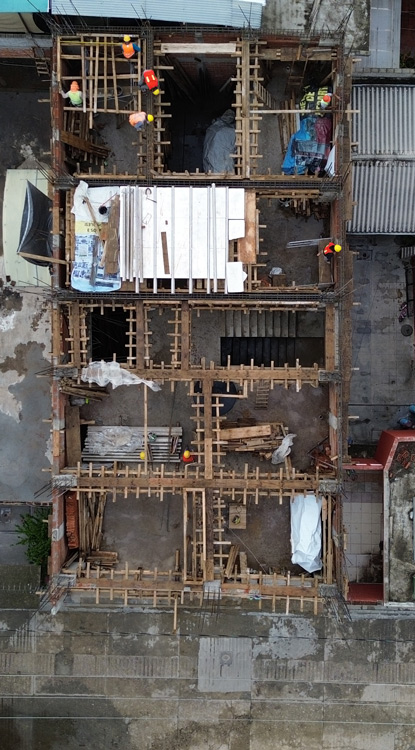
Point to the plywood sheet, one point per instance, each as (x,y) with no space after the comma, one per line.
(247,245)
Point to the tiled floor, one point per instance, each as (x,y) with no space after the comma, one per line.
(363,521)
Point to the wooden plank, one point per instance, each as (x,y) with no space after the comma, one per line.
(42,257)
(83,145)
(76,333)
(233,554)
(329,338)
(184,48)
(238,433)
(324,267)
(140,333)
(208,432)
(185,339)
(165,248)
(72,435)
(246,246)
(112,245)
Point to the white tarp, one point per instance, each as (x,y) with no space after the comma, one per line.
(104,373)
(306,532)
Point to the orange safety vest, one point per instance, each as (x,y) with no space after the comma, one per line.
(329,249)
(128,50)
(150,79)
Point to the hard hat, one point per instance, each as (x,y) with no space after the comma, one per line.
(337,248)
(150,118)
(326,98)
(156,92)
(74,86)
(127,38)
(142,455)
(186,454)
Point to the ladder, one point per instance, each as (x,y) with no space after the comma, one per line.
(262,394)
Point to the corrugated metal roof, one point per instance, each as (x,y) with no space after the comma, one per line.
(235,13)
(385,121)
(383,192)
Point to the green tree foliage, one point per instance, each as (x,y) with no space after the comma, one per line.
(33,532)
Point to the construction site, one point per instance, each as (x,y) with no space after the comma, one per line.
(193,278)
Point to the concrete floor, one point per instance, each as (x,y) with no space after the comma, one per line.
(112,680)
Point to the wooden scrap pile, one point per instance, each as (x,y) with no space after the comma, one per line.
(91,516)
(237,565)
(102,559)
(260,438)
(82,390)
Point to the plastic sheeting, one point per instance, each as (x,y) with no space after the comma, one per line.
(306,532)
(105,373)
(36,226)
(219,144)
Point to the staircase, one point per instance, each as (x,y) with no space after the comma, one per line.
(265,96)
(278,336)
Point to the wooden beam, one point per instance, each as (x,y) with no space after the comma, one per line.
(29,256)
(131,483)
(185,48)
(238,433)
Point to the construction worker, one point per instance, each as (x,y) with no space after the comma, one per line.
(74,95)
(149,82)
(330,250)
(187,457)
(129,48)
(139,119)
(325,101)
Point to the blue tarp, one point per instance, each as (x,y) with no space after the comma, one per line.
(309,146)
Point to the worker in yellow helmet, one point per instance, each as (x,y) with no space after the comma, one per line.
(187,457)
(129,48)
(139,119)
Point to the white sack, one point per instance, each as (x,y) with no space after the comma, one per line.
(111,372)
(306,532)
(284,449)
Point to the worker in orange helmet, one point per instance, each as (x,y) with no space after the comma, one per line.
(325,101)
(187,457)
(139,119)
(129,48)
(74,95)
(149,82)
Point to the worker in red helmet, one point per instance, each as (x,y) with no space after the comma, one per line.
(149,82)
(74,95)
(129,49)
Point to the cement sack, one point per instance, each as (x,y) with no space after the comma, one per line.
(283,450)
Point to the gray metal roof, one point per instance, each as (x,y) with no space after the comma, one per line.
(235,13)
(383,160)
(383,192)
(384,124)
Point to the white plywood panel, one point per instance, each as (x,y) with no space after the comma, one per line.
(236,203)
(236,228)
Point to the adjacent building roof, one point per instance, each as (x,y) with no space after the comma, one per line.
(385,36)
(24,6)
(383,160)
(235,13)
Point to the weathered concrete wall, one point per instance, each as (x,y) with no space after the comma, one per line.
(24,397)
(120,680)
(327,17)
(401,537)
